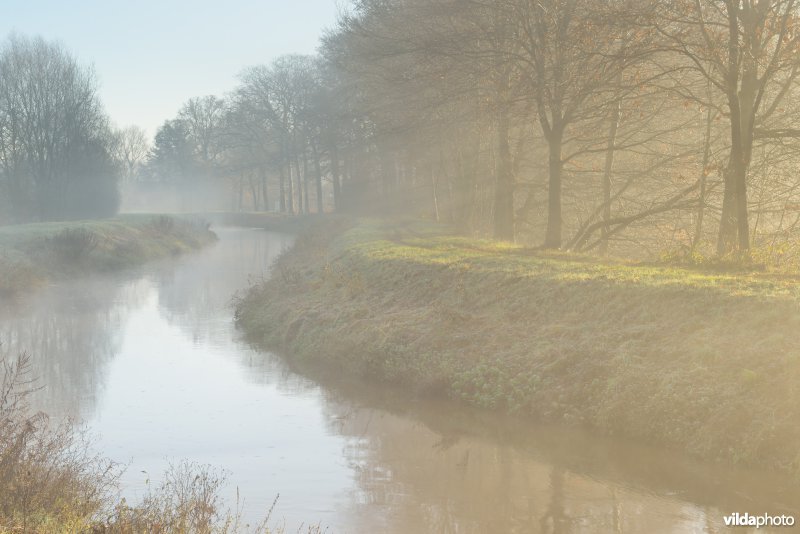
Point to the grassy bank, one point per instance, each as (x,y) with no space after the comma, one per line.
(707,362)
(32,254)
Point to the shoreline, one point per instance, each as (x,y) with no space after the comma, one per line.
(702,362)
(32,255)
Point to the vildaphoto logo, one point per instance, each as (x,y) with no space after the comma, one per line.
(758,521)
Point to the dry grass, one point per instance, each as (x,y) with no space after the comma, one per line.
(31,254)
(51,482)
(705,360)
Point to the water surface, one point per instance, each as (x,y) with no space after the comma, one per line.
(151,361)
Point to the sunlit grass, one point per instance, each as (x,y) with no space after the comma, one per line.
(427,244)
(699,358)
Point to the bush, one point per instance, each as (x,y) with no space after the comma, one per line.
(163,224)
(16,276)
(48,479)
(73,244)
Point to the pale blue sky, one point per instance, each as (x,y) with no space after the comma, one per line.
(150,56)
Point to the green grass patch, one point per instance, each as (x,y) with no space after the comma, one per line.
(698,359)
(32,254)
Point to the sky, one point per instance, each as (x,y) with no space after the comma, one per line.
(151,56)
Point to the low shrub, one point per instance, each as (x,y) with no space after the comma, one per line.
(163,224)
(72,244)
(50,481)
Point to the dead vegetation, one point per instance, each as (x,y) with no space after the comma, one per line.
(72,244)
(49,479)
(52,482)
(31,254)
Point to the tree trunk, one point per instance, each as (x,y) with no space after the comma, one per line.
(552,237)
(727,223)
(701,201)
(263,174)
(318,178)
(504,182)
(609,165)
(741,209)
(337,186)
(434,195)
(305,184)
(298,183)
(741,104)
(290,189)
(253,190)
(282,188)
(241,192)
(734,206)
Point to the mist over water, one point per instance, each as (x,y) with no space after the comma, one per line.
(177,198)
(151,362)
(575,211)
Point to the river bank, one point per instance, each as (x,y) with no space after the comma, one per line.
(704,362)
(33,254)
(271,221)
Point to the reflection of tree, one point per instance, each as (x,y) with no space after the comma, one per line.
(616,524)
(71,332)
(436,467)
(422,466)
(195,292)
(555,519)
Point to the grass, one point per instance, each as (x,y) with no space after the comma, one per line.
(32,254)
(702,360)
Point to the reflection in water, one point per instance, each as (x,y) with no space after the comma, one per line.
(71,332)
(438,467)
(152,362)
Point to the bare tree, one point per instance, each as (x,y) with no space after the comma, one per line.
(55,141)
(747,50)
(131,147)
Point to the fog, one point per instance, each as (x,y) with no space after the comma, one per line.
(230,225)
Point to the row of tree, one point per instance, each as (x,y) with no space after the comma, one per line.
(578,124)
(596,120)
(272,139)
(59,156)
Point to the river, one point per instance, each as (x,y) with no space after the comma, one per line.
(151,361)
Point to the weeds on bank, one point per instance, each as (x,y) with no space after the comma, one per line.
(72,244)
(186,501)
(781,258)
(16,275)
(51,482)
(163,224)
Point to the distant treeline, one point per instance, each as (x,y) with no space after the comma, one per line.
(621,125)
(56,146)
